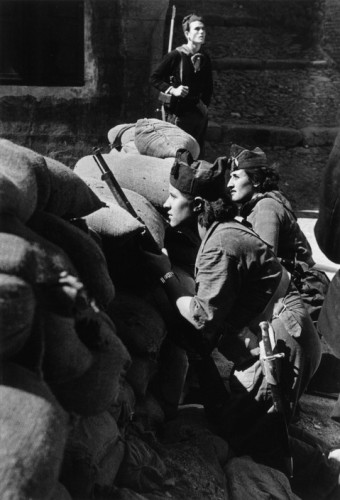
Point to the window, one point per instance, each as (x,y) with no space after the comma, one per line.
(42,42)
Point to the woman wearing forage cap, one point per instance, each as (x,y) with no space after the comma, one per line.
(254,187)
(239,282)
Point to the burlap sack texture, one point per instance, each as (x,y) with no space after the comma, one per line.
(122,133)
(142,469)
(69,197)
(28,181)
(86,381)
(17,307)
(24,180)
(84,253)
(32,438)
(98,387)
(66,357)
(123,408)
(93,454)
(143,208)
(146,175)
(161,139)
(139,324)
(26,254)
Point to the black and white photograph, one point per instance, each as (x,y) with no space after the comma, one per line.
(169,249)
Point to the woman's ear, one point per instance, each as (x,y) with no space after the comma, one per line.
(198,204)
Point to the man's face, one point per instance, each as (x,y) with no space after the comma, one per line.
(240,186)
(196,33)
(179,208)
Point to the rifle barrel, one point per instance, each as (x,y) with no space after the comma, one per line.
(121,198)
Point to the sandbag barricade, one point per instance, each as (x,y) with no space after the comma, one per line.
(69,197)
(93,454)
(152,137)
(143,208)
(145,175)
(19,180)
(162,139)
(121,134)
(139,324)
(70,343)
(17,308)
(142,469)
(33,432)
(85,254)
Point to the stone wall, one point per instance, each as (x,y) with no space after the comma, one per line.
(331,39)
(122,39)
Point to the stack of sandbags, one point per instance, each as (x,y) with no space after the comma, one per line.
(55,287)
(152,137)
(142,330)
(122,138)
(146,175)
(33,431)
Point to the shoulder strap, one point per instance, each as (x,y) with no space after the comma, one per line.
(181,51)
(117,143)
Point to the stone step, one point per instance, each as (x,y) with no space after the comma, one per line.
(269,135)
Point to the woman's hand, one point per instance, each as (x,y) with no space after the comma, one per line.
(158,263)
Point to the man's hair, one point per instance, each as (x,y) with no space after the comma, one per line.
(221,210)
(190,18)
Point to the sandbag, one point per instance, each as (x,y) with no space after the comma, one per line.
(60,493)
(130,148)
(142,207)
(139,324)
(69,197)
(28,255)
(18,183)
(149,412)
(83,251)
(247,480)
(32,438)
(28,171)
(140,373)
(162,139)
(17,308)
(145,175)
(65,356)
(123,408)
(142,469)
(93,454)
(121,134)
(94,391)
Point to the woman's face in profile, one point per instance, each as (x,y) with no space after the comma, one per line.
(179,207)
(240,186)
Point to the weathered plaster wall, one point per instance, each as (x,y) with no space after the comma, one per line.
(122,38)
(331,40)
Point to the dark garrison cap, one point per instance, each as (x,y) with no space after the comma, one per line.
(246,159)
(199,178)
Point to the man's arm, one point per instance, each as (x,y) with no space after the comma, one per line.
(160,78)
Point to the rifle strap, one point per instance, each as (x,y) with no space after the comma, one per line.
(117,143)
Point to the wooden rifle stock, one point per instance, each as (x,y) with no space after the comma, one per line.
(148,241)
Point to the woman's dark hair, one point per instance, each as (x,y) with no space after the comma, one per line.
(221,210)
(267,178)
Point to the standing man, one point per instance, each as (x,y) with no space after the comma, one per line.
(185,73)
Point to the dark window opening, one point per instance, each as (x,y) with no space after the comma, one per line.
(42,42)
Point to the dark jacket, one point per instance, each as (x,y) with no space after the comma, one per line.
(200,83)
